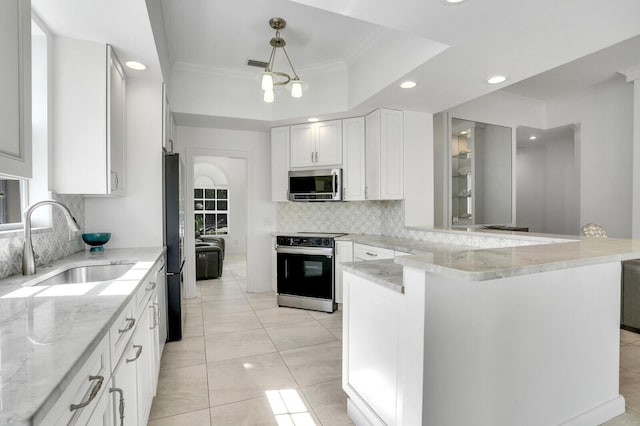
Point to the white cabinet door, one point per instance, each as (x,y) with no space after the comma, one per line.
(328,143)
(115,123)
(372,156)
(125,387)
(279,163)
(384,155)
(103,413)
(303,145)
(391,155)
(15,88)
(88,112)
(144,375)
(344,253)
(153,341)
(316,144)
(353,159)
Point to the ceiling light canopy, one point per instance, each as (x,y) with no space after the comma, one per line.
(271,78)
(313,119)
(497,79)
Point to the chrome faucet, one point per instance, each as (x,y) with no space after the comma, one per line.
(28,257)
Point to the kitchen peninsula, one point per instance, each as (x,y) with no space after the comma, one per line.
(468,334)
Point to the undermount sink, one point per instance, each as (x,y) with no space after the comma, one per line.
(86,274)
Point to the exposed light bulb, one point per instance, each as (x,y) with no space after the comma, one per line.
(296,88)
(268,96)
(267,81)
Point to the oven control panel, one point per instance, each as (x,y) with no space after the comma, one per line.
(304,241)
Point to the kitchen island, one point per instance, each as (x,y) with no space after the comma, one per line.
(48,332)
(525,335)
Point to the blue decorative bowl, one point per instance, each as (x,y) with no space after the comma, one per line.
(96,240)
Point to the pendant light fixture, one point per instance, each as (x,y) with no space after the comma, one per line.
(271,78)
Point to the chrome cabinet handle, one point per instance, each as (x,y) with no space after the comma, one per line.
(138,349)
(152,286)
(371,254)
(155,314)
(130,323)
(94,391)
(312,157)
(121,405)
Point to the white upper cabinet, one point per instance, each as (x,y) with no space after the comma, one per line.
(15,88)
(279,163)
(89,118)
(353,159)
(316,144)
(384,155)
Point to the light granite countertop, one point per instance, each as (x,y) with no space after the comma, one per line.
(386,272)
(46,335)
(476,263)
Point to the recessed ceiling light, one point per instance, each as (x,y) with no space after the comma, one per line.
(408,84)
(454,1)
(313,119)
(496,79)
(464,132)
(135,65)
(532,138)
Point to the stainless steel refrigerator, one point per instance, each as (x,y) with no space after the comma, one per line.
(173,215)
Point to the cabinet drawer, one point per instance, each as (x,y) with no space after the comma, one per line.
(365,252)
(122,330)
(148,287)
(81,396)
(397,253)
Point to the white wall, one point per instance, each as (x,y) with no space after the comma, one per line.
(255,148)
(605,114)
(135,219)
(235,171)
(418,169)
(547,188)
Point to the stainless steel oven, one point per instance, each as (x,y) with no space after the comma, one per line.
(305,269)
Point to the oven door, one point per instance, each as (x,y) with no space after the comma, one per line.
(306,272)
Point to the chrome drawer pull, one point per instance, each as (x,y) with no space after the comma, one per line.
(92,395)
(121,405)
(152,286)
(138,349)
(372,254)
(130,323)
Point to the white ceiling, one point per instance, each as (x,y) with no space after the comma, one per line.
(225,34)
(520,39)
(122,23)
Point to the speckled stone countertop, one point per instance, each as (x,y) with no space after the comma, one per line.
(46,334)
(476,263)
(386,272)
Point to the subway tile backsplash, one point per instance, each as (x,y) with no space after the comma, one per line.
(48,246)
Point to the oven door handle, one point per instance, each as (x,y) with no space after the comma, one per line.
(317,251)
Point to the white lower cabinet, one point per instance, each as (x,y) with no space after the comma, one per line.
(344,253)
(116,385)
(80,397)
(124,391)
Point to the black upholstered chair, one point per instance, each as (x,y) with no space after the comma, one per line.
(209,257)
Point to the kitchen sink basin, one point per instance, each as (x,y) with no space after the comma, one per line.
(87,274)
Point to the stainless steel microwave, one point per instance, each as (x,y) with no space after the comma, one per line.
(315,185)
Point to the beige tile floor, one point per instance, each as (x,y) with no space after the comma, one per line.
(240,351)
